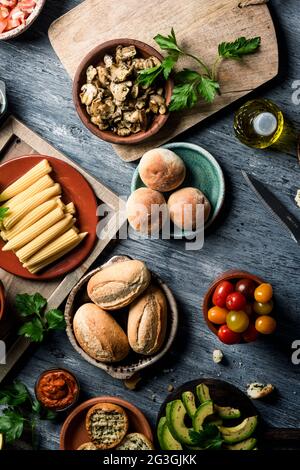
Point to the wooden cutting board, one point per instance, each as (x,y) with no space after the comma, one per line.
(200,26)
(16,140)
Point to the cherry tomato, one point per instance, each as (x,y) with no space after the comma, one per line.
(221,292)
(251,334)
(263,309)
(227,336)
(263,293)
(246,287)
(236,301)
(217,315)
(265,325)
(237,321)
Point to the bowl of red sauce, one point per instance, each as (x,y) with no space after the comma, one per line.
(57,389)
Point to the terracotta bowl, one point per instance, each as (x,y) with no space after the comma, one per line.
(133,362)
(227,276)
(31,18)
(95,57)
(2,300)
(73,432)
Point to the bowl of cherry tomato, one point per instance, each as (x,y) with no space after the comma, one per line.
(238,307)
(18,15)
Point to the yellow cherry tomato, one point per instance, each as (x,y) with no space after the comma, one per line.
(217,315)
(265,325)
(263,293)
(263,309)
(237,321)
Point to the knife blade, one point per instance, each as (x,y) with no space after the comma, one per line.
(276,208)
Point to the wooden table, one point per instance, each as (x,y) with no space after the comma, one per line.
(247,238)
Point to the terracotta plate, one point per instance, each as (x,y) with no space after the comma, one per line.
(73,432)
(74,188)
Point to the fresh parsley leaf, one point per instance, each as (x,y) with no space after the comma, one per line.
(209,438)
(3,212)
(148,76)
(28,305)
(33,330)
(168,64)
(236,49)
(11,424)
(208,88)
(184,96)
(42,412)
(55,320)
(168,43)
(13,395)
(187,75)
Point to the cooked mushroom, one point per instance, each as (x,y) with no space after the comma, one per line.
(123,131)
(135,90)
(103,76)
(119,73)
(124,53)
(157,104)
(119,92)
(91,73)
(88,93)
(108,61)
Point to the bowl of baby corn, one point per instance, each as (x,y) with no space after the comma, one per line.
(47,215)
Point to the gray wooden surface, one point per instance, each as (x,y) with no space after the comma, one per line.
(40,94)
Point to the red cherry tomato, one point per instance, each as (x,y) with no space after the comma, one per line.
(235,301)
(251,334)
(246,287)
(221,293)
(227,336)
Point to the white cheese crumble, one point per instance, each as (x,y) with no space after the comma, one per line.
(217,356)
(297,198)
(257,390)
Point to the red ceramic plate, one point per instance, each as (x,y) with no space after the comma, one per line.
(74,188)
(73,432)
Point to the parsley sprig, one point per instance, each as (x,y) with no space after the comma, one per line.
(191,85)
(21,412)
(209,438)
(38,321)
(3,213)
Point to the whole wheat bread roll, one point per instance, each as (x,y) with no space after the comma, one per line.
(119,284)
(99,335)
(107,425)
(147,322)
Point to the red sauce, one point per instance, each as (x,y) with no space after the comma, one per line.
(57,389)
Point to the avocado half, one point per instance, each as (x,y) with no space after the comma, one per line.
(240,432)
(175,414)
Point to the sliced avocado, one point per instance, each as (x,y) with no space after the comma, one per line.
(165,438)
(175,413)
(226,412)
(248,444)
(188,399)
(204,410)
(240,432)
(202,391)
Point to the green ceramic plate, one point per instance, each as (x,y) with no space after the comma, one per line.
(203,172)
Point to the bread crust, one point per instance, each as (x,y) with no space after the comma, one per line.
(107,408)
(99,335)
(147,322)
(117,285)
(146,210)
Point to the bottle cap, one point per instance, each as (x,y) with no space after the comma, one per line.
(265,124)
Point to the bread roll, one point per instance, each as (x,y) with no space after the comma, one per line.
(99,335)
(146,210)
(107,425)
(147,322)
(184,208)
(118,284)
(87,446)
(162,169)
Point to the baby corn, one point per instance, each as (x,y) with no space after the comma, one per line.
(41,184)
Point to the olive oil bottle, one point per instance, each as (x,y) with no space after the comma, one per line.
(259,123)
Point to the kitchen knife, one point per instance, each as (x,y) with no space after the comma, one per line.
(277,209)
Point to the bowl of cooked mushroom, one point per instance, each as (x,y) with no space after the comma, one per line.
(109,98)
